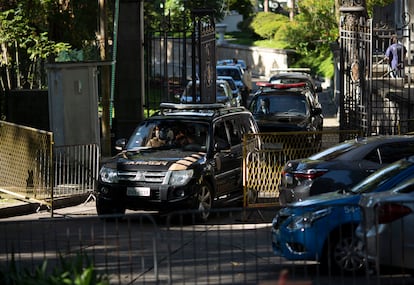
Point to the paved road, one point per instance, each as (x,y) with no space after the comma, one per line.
(145,248)
(232,248)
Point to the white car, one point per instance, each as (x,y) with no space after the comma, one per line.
(234,89)
(386,230)
(236,72)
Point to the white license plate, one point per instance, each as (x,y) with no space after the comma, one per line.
(138,191)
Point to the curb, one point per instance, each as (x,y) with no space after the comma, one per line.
(25,208)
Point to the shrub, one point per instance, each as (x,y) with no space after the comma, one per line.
(76,271)
(266,24)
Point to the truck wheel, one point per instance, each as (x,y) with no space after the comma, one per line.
(204,202)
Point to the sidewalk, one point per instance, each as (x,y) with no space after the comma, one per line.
(331,122)
(15,207)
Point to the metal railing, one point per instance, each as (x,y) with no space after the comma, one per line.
(75,169)
(143,249)
(25,162)
(34,170)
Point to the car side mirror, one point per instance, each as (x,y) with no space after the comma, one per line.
(221,146)
(120,144)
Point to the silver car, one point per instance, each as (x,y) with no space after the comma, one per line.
(224,94)
(234,89)
(387,227)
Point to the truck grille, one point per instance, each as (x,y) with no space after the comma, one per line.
(143,176)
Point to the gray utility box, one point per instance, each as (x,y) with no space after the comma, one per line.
(73,103)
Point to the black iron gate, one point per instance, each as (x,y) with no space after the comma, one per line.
(372,100)
(167,63)
(174,53)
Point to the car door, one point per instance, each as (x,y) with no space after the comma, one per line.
(225,175)
(228,136)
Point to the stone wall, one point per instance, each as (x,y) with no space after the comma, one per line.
(261,60)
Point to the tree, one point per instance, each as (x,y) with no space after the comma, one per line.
(243,7)
(372,3)
(267,25)
(73,21)
(23,48)
(177,9)
(33,32)
(310,34)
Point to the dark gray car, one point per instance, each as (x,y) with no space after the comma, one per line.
(341,166)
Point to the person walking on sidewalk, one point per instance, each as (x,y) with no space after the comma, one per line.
(395,56)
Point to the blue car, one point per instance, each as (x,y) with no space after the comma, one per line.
(322,228)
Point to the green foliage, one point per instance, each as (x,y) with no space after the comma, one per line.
(243,7)
(372,3)
(266,24)
(319,61)
(74,22)
(24,47)
(179,11)
(76,271)
(310,33)
(153,15)
(33,32)
(15,30)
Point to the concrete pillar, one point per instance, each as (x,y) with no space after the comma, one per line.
(129,80)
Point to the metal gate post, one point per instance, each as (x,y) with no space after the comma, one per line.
(355,47)
(204,37)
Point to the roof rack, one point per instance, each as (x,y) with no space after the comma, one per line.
(211,108)
(181,106)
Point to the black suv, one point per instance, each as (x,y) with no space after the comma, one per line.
(185,157)
(279,107)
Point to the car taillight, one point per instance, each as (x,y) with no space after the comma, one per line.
(388,213)
(309,174)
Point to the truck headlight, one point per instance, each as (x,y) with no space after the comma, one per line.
(180,177)
(108,175)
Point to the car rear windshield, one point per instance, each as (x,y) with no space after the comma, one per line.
(187,96)
(282,103)
(233,72)
(335,151)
